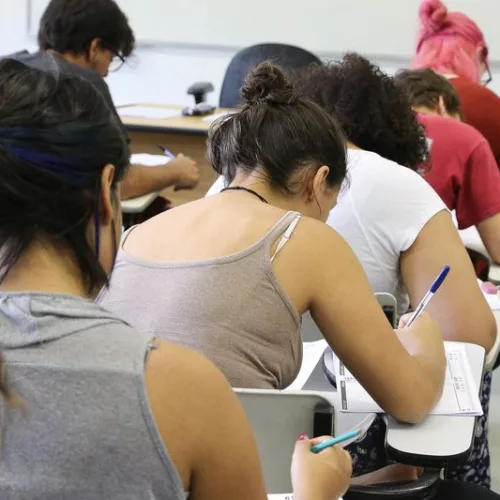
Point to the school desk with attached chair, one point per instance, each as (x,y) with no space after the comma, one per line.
(151,125)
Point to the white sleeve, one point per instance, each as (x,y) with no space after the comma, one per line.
(217,187)
(403,204)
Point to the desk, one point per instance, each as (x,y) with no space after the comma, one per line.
(179,134)
(432,443)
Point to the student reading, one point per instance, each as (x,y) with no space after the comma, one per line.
(89,38)
(248,262)
(93,408)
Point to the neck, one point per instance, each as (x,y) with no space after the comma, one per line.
(258,182)
(46,269)
(78,59)
(425,110)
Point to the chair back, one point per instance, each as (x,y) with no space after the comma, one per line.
(277,419)
(288,56)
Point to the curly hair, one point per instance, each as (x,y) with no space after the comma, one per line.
(374,114)
(72,25)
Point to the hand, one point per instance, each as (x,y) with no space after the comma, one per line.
(424,335)
(424,341)
(322,476)
(187,172)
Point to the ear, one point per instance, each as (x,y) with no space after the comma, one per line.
(106,205)
(441,107)
(319,180)
(94,48)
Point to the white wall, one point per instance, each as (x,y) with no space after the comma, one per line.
(155,74)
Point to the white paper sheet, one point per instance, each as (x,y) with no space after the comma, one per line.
(460,395)
(312,352)
(148,112)
(148,160)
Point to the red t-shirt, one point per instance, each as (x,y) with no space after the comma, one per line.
(481,108)
(462,169)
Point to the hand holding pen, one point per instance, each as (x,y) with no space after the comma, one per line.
(186,168)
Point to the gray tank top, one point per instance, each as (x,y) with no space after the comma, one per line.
(88,431)
(231,309)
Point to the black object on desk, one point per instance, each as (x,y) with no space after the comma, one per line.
(200,109)
(200,91)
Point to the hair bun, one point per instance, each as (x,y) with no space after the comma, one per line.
(433,14)
(268,83)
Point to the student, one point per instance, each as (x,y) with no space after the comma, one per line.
(96,409)
(248,262)
(463,169)
(394,221)
(89,38)
(452,44)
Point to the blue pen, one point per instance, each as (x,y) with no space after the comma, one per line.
(332,442)
(165,151)
(428,296)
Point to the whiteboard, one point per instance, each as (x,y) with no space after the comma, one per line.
(385,28)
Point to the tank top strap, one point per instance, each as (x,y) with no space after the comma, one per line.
(284,228)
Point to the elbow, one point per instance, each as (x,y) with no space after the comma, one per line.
(416,410)
(427,388)
(489,335)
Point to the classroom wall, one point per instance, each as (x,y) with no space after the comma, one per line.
(158,74)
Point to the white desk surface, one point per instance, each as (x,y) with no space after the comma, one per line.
(437,436)
(188,124)
(139,204)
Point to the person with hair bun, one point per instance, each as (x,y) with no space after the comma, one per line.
(453,44)
(92,408)
(247,263)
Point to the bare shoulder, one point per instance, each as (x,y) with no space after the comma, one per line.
(180,371)
(316,238)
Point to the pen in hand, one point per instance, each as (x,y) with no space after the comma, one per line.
(165,151)
(428,296)
(336,440)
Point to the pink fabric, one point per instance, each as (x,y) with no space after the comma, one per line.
(448,42)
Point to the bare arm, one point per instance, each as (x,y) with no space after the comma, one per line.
(182,172)
(343,305)
(459,306)
(489,230)
(203,426)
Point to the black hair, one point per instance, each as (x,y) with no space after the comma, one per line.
(56,136)
(424,87)
(374,114)
(72,25)
(277,131)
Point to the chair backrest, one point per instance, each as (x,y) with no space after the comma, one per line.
(277,419)
(288,56)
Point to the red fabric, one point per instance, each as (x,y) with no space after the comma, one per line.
(462,170)
(481,108)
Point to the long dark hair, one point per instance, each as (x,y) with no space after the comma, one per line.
(56,136)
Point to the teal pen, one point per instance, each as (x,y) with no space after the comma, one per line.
(332,442)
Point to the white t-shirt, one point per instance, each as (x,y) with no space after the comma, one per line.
(381,209)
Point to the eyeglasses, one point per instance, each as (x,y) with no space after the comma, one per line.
(116,63)
(486,80)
